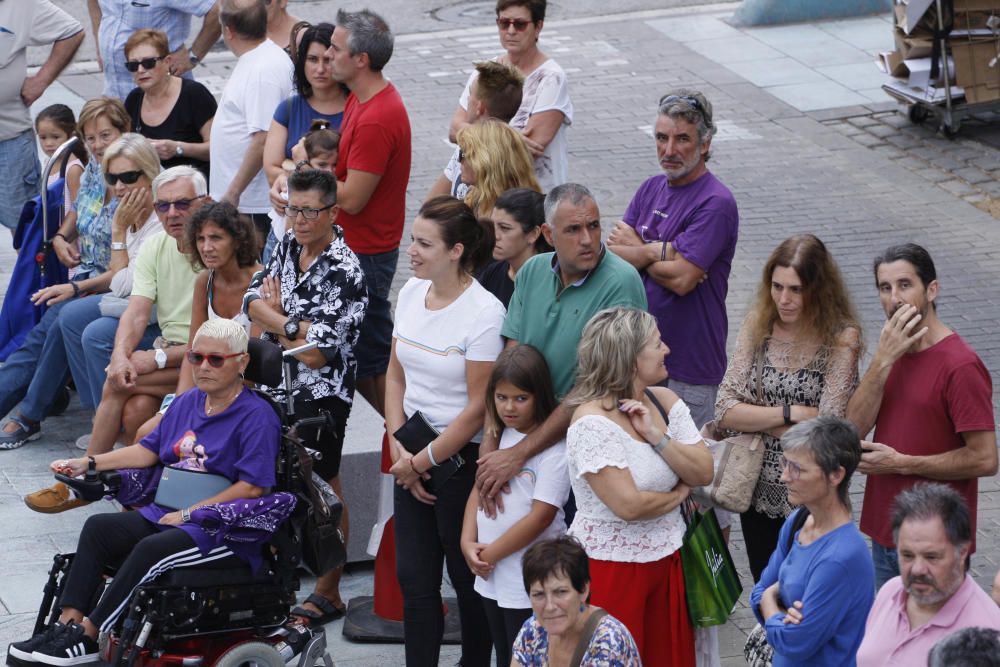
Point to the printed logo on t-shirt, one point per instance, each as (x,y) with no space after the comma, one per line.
(190,454)
(661,214)
(527,474)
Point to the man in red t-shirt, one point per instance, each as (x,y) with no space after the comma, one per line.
(929,397)
(373,170)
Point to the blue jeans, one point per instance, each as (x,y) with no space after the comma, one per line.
(19,165)
(35,372)
(375,341)
(886,564)
(88,338)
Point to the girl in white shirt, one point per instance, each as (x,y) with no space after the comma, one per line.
(519,397)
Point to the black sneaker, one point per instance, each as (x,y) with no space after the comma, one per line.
(70,647)
(23,650)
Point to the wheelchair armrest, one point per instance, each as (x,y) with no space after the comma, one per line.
(93,487)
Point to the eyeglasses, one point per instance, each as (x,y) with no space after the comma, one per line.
(126,177)
(147,63)
(214,360)
(687,99)
(793,468)
(307,213)
(180,204)
(520,25)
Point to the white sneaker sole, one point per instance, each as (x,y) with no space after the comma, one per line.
(20,655)
(65,662)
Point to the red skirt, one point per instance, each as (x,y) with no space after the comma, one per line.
(649,599)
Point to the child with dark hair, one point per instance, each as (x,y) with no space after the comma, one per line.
(55,125)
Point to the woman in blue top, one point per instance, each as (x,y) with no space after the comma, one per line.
(814,595)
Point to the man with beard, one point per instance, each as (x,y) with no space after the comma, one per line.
(680,232)
(929,397)
(934,596)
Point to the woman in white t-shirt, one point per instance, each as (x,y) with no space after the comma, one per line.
(633,453)
(519,397)
(444,342)
(546,110)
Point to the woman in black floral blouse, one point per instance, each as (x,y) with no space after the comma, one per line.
(313,290)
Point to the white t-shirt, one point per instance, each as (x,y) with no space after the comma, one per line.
(544,477)
(25,23)
(545,89)
(121,282)
(453,172)
(594,442)
(433,345)
(261,79)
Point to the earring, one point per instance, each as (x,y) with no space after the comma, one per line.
(583,607)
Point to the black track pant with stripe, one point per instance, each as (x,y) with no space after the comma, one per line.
(139,551)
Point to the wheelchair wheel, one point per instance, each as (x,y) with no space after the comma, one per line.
(251,654)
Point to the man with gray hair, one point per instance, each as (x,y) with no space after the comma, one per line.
(680,232)
(555,295)
(934,595)
(119,360)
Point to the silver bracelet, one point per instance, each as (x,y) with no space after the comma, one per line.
(186,514)
(661,445)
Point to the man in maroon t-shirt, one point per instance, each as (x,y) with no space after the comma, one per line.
(373,170)
(929,397)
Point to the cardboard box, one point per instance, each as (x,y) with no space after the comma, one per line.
(891,62)
(977,6)
(920,72)
(973,71)
(917,45)
(974,20)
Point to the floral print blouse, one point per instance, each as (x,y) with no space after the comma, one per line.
(93,221)
(611,646)
(331,294)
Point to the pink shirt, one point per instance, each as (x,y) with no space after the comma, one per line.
(889,640)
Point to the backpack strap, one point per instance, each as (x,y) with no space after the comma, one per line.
(586,636)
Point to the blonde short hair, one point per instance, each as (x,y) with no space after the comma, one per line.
(138,150)
(607,355)
(226,330)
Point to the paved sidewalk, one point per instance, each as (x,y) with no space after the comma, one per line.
(794,167)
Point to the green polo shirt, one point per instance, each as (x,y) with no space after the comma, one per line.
(551,318)
(164,275)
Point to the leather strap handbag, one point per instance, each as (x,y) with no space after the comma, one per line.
(586,636)
(738,460)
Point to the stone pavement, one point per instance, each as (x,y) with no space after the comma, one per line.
(792,170)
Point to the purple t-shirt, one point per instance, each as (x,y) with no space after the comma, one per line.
(240,443)
(701,221)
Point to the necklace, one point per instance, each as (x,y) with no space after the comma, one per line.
(209,409)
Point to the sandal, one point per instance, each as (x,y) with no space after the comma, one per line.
(329,611)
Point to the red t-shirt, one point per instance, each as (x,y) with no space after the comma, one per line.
(375,138)
(931,397)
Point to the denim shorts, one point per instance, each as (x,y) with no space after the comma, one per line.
(19,164)
(375,341)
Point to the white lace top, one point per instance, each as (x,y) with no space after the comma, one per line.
(594,442)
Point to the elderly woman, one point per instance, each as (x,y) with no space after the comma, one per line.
(37,371)
(313,291)
(493,160)
(219,427)
(174,113)
(564,623)
(814,595)
(796,357)
(634,452)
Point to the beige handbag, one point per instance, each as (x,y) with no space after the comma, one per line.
(738,461)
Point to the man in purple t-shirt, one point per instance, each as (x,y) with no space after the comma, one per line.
(680,232)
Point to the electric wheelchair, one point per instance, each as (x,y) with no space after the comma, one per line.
(192,617)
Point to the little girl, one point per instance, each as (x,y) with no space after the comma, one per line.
(55,125)
(519,397)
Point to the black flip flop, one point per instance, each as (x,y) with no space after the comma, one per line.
(330,612)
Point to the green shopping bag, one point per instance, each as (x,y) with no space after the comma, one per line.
(710,579)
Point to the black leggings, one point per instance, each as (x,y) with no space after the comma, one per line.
(760,535)
(140,551)
(504,626)
(426,535)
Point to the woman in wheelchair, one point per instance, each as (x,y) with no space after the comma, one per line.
(219,428)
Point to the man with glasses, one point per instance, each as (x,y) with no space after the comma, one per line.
(546,109)
(114,21)
(162,277)
(680,232)
(313,291)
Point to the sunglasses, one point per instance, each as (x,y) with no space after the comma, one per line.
(147,63)
(214,360)
(687,99)
(307,213)
(126,177)
(520,25)
(180,204)
(461,156)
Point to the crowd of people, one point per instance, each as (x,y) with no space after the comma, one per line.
(546,390)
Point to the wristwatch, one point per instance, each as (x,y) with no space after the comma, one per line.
(161,358)
(179,150)
(195,60)
(292,328)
